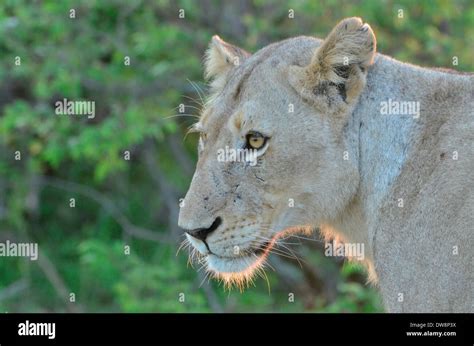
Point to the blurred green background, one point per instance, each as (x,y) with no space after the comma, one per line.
(133,203)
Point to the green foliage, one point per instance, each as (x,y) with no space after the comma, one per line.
(64,157)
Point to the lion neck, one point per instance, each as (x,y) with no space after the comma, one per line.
(382,133)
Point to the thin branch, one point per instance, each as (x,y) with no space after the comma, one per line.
(57,282)
(109,206)
(13,289)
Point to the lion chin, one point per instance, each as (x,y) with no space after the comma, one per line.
(236,272)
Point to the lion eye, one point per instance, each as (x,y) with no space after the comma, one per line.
(255,140)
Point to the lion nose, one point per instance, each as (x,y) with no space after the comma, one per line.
(202,233)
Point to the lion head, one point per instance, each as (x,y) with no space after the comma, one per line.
(272,150)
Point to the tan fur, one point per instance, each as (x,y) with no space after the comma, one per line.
(220,58)
(334,160)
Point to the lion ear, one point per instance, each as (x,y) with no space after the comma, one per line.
(221,57)
(341,61)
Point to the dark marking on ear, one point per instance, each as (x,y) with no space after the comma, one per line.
(341,87)
(343,71)
(323,87)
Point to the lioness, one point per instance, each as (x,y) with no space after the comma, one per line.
(369,149)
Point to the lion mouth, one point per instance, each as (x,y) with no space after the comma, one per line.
(240,270)
(233,271)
